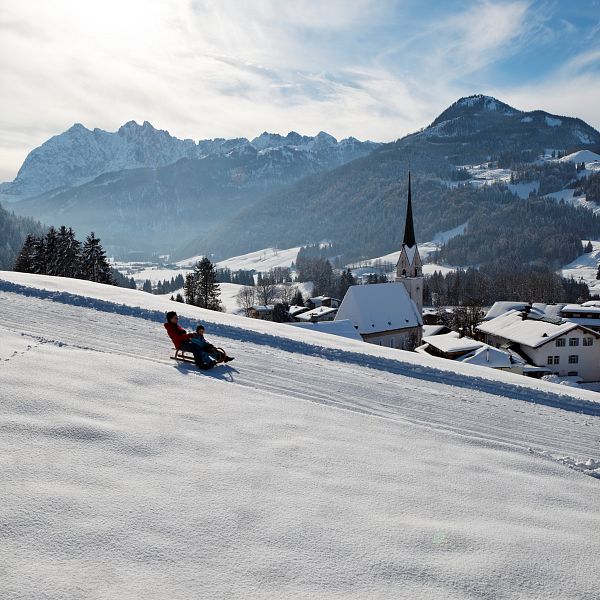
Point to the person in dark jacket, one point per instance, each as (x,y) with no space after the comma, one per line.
(181,341)
(209,352)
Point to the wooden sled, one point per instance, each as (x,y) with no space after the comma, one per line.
(188,357)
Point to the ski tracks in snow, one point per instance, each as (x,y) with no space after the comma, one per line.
(472,413)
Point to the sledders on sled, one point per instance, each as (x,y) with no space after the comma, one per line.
(192,347)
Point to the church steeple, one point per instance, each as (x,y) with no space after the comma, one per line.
(409,228)
(409,270)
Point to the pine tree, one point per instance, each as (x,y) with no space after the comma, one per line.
(281,312)
(69,249)
(189,288)
(25,261)
(178,297)
(201,286)
(147,287)
(207,289)
(346,280)
(588,248)
(297,298)
(94,265)
(53,266)
(39,256)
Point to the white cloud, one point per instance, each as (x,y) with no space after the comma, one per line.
(229,68)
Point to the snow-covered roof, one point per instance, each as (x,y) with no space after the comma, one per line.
(528,332)
(589,308)
(320,311)
(488,356)
(451,343)
(433,329)
(379,307)
(502,307)
(263,308)
(296,309)
(342,328)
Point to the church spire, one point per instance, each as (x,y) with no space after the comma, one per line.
(409,229)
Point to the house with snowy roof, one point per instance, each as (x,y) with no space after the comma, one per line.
(321,313)
(586,314)
(467,350)
(317,301)
(383,314)
(563,347)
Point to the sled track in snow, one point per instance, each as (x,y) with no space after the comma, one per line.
(387,365)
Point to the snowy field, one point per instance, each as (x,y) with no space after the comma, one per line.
(259,261)
(313,467)
(585,267)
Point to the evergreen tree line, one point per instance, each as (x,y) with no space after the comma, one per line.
(61,254)
(201,287)
(166,286)
(475,287)
(13,232)
(122,281)
(241,276)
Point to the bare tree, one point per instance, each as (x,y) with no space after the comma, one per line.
(246,298)
(266,289)
(287,293)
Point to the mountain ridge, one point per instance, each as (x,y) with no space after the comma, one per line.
(79,155)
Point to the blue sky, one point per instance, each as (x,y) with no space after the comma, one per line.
(373,69)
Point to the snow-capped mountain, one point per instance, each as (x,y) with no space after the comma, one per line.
(490,119)
(79,154)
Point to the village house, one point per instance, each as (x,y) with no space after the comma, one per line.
(586,314)
(321,313)
(469,351)
(263,312)
(383,314)
(565,348)
(323,301)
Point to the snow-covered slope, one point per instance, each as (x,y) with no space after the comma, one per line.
(584,156)
(585,267)
(315,467)
(259,260)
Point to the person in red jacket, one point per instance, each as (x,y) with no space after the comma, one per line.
(181,341)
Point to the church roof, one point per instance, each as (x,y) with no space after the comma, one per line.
(409,229)
(379,307)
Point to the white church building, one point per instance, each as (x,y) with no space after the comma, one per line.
(391,314)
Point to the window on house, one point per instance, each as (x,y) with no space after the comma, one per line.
(573,341)
(560,342)
(557,360)
(572,373)
(588,341)
(573,359)
(553,360)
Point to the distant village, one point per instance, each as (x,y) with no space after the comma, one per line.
(560,341)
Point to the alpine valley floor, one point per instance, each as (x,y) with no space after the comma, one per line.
(312,467)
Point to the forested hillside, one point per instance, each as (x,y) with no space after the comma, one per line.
(13,231)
